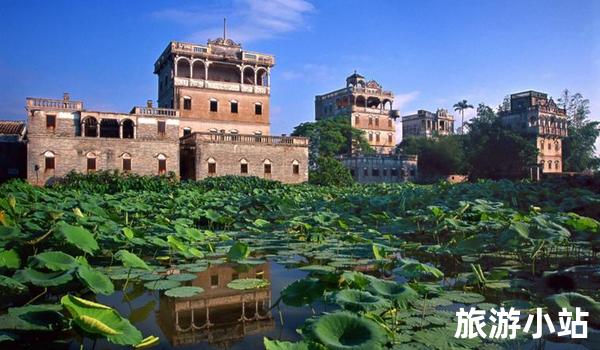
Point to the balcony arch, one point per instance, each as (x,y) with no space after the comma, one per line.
(89,127)
(360,101)
(198,70)
(262,77)
(373,102)
(127,129)
(183,68)
(224,72)
(249,76)
(109,128)
(387,104)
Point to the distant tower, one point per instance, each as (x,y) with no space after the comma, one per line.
(368,107)
(427,124)
(216,87)
(543,122)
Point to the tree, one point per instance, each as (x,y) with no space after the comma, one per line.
(461,106)
(579,146)
(332,137)
(494,151)
(437,156)
(330,172)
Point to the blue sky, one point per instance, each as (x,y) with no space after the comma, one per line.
(429,53)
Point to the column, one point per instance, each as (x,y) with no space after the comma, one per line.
(241,73)
(176,59)
(120,130)
(98,128)
(206,64)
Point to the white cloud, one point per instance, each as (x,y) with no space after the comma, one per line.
(401,100)
(247,20)
(310,73)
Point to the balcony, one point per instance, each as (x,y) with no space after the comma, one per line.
(372,91)
(246,139)
(151,111)
(222,85)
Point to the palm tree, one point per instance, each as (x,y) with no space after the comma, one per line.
(461,106)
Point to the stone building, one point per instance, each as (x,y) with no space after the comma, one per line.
(222,95)
(212,120)
(427,124)
(64,137)
(380,168)
(532,114)
(13,150)
(369,108)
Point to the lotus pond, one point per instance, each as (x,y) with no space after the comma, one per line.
(242,263)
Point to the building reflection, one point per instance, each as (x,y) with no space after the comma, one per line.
(220,315)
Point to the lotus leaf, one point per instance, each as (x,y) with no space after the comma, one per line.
(9,285)
(357,300)
(464,297)
(55,261)
(345,331)
(182,277)
(95,280)
(77,236)
(570,301)
(400,294)
(183,292)
(162,284)
(248,283)
(131,260)
(238,251)
(10,259)
(302,292)
(42,279)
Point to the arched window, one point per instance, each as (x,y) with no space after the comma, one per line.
(556,164)
(212,166)
(390,138)
(109,128)
(370,120)
(127,127)
(243,166)
(557,146)
(377,137)
(162,163)
(370,136)
(248,76)
(262,77)
(233,106)
(360,101)
(295,167)
(376,121)
(90,127)
(214,105)
(198,71)
(258,108)
(91,162)
(218,71)
(390,122)
(49,160)
(183,68)
(187,131)
(126,162)
(267,167)
(187,103)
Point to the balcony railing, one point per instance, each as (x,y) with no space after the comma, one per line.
(46,103)
(249,139)
(221,85)
(164,112)
(373,91)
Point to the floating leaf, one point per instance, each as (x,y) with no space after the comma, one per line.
(570,301)
(238,251)
(182,277)
(464,297)
(11,285)
(55,261)
(357,300)
(161,284)
(284,345)
(302,292)
(40,317)
(318,268)
(77,236)
(345,331)
(95,280)
(400,294)
(184,292)
(248,283)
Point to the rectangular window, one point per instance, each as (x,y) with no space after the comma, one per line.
(394,172)
(162,166)
(126,165)
(214,106)
(370,121)
(267,168)
(91,164)
(187,131)
(365,172)
(258,109)
(296,169)
(214,281)
(187,103)
(377,137)
(51,121)
(244,168)
(234,107)
(376,121)
(162,127)
(390,122)
(212,168)
(370,137)
(356,120)
(49,163)
(375,172)
(390,139)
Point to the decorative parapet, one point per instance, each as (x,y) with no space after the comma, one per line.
(291,141)
(221,85)
(34,103)
(156,112)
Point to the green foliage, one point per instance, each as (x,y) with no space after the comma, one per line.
(345,331)
(131,260)
(437,156)
(238,251)
(330,172)
(183,292)
(77,236)
(248,283)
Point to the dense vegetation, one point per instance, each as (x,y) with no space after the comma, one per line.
(423,251)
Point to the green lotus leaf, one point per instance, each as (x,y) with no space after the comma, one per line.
(286,345)
(570,301)
(161,284)
(10,259)
(248,283)
(318,268)
(400,294)
(95,280)
(131,260)
(100,320)
(42,279)
(40,317)
(77,236)
(182,277)
(345,331)
(357,300)
(414,269)
(10,285)
(198,268)
(238,251)
(464,297)
(302,292)
(183,292)
(150,277)
(55,261)
(442,338)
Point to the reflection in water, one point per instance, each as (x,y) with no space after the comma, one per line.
(219,315)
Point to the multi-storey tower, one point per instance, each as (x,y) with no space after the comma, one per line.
(539,118)
(427,124)
(367,105)
(217,87)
